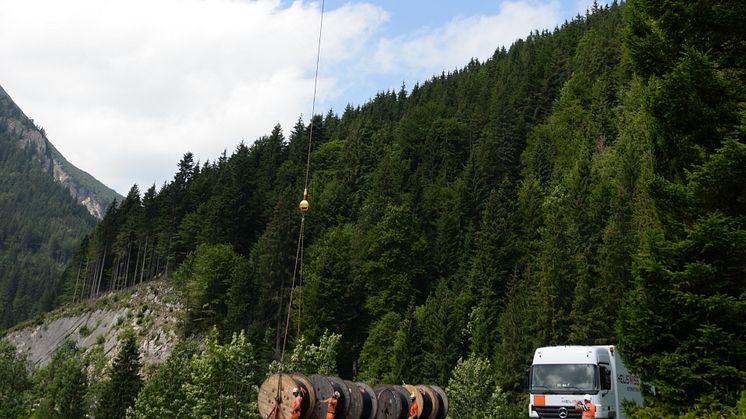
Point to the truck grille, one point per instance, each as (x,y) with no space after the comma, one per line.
(557,412)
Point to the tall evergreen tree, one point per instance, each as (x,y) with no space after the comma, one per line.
(124,381)
(681,326)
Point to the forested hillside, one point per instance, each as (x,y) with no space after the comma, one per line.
(584,186)
(41,226)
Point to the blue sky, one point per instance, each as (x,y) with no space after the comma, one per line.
(124,88)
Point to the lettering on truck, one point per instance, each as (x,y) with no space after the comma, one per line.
(632,380)
(628,379)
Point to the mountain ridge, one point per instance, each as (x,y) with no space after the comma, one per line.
(86,189)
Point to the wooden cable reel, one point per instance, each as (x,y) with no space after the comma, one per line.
(324,390)
(276,396)
(309,395)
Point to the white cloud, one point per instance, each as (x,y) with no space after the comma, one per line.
(429,51)
(125,87)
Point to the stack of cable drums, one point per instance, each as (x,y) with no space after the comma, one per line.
(394,401)
(356,400)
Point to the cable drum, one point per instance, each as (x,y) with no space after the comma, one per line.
(430,403)
(276,397)
(393,402)
(308,402)
(370,402)
(343,403)
(356,401)
(423,407)
(324,390)
(442,401)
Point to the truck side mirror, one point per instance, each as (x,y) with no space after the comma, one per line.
(526,381)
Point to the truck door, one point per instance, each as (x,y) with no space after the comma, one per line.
(608,394)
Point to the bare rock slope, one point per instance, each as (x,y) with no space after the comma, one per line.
(150,310)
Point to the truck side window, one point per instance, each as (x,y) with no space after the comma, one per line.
(605,378)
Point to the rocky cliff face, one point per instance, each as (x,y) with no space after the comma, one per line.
(149,310)
(88,191)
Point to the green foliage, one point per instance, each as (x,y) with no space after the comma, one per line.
(62,384)
(40,231)
(380,359)
(97,370)
(164,394)
(123,382)
(682,323)
(393,266)
(333,294)
(435,340)
(510,204)
(473,393)
(214,280)
(15,380)
(708,409)
(313,359)
(224,379)
(84,331)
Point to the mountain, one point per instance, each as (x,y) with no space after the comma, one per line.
(89,192)
(48,206)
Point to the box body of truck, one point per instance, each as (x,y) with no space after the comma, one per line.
(561,375)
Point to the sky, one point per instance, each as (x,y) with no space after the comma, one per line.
(123,88)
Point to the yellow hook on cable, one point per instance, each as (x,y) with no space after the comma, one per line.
(304,205)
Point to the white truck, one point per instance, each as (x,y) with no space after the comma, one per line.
(561,375)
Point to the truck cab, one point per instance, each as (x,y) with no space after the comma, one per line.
(561,375)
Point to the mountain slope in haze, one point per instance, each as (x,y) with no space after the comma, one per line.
(48,207)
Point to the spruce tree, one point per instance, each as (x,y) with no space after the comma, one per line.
(124,382)
(682,326)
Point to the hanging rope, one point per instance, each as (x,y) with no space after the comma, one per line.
(304,205)
(313,104)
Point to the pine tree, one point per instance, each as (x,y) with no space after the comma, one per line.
(394,264)
(124,381)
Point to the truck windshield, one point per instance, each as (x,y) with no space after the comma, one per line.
(563,378)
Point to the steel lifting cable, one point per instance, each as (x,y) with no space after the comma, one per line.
(304,206)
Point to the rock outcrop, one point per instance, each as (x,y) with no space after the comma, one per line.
(149,310)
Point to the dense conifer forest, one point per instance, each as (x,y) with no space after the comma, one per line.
(41,226)
(584,186)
